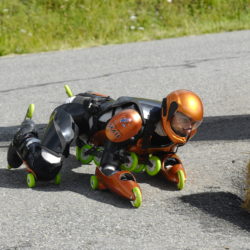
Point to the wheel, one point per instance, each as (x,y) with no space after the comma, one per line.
(154,167)
(97,161)
(181,180)
(30,111)
(97,158)
(138,197)
(31,180)
(57,179)
(131,165)
(94,182)
(139,168)
(68,91)
(9,167)
(81,156)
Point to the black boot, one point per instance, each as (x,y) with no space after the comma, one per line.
(18,148)
(14,160)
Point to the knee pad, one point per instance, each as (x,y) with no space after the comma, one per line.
(44,164)
(60,132)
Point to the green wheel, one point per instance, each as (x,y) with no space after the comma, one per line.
(139,168)
(30,111)
(138,197)
(9,167)
(181,180)
(68,90)
(77,153)
(94,182)
(156,166)
(97,158)
(31,180)
(131,165)
(81,154)
(97,161)
(57,179)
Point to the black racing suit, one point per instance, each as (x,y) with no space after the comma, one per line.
(82,116)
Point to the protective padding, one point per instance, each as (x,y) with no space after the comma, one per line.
(60,132)
(124,125)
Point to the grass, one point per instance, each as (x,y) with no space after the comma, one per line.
(246,204)
(42,25)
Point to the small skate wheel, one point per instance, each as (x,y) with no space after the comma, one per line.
(138,197)
(68,90)
(139,168)
(9,167)
(94,182)
(181,180)
(30,111)
(31,180)
(131,165)
(155,166)
(97,159)
(57,179)
(82,156)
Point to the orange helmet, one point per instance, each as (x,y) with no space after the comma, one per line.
(182,114)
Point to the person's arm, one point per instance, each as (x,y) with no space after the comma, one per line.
(119,130)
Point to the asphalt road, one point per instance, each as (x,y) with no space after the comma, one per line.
(205,215)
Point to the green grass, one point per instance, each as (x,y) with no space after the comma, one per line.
(42,25)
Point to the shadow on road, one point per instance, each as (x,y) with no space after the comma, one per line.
(213,128)
(223,205)
(7,133)
(158,181)
(74,179)
(235,127)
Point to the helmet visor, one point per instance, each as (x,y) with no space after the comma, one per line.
(183,125)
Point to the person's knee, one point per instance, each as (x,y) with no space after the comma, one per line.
(44,164)
(60,132)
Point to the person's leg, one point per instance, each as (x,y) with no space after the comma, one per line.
(108,174)
(44,158)
(25,135)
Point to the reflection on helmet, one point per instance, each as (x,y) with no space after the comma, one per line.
(182,113)
(183,125)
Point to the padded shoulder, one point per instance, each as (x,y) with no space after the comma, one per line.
(148,108)
(124,125)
